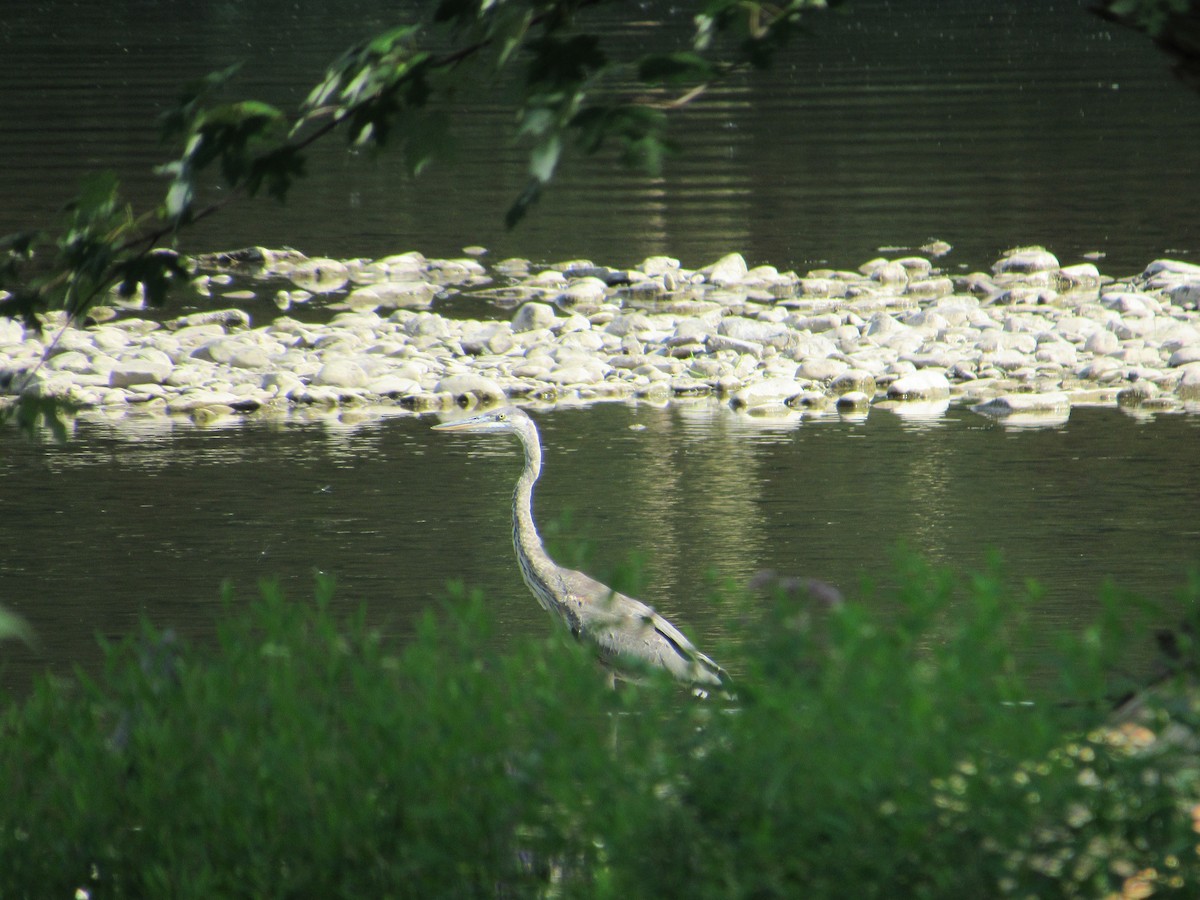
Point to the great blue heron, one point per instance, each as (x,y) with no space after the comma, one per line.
(628,634)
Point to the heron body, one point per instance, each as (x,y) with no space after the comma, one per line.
(628,634)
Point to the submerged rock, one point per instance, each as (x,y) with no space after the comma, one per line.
(1024,404)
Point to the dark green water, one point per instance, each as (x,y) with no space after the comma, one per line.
(985,125)
(981,124)
(118,523)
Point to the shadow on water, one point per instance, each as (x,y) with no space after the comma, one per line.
(131,518)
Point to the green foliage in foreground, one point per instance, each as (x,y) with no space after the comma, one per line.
(864,756)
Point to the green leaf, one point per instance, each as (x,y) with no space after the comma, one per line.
(154,272)
(251,114)
(33,413)
(97,196)
(178,202)
(13,626)
(509,33)
(277,169)
(558,62)
(536,121)
(544,158)
(178,120)
(676,68)
(388,41)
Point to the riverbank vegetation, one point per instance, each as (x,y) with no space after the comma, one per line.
(906,746)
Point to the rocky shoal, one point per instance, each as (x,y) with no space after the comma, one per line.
(1030,338)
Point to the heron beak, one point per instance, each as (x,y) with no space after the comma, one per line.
(471,422)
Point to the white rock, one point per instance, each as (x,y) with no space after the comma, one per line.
(1130,304)
(1102,343)
(1080,275)
(728,269)
(719,342)
(220,350)
(1128,327)
(1138,393)
(148,366)
(250,357)
(230,318)
(1185,294)
(190,374)
(1184,356)
(340,373)
(852,400)
(882,326)
(743,329)
(109,337)
(1174,269)
(822,369)
(854,381)
(767,391)
(320,276)
(822,287)
(70,361)
(194,335)
(427,324)
(585,290)
(926,384)
(11,331)
(1189,382)
(1007,360)
(471,386)
(392,294)
(1176,335)
(889,273)
(394,385)
(571,375)
(533,316)
(1059,353)
(201,398)
(1026,260)
(1102,369)
(281,383)
(573,322)
(400,264)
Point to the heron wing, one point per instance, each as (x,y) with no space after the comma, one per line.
(629,632)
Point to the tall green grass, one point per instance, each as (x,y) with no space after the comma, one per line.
(906,754)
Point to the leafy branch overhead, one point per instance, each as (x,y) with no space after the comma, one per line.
(392,89)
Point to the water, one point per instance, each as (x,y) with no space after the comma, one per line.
(130,519)
(982,125)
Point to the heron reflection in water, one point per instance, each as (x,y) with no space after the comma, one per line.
(629,635)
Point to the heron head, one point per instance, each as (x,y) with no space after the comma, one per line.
(506,418)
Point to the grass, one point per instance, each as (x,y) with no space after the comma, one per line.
(303,756)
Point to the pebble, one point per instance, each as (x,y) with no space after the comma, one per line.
(1027,340)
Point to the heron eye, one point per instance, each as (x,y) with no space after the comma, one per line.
(502,416)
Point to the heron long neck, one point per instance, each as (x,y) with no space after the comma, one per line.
(536,565)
